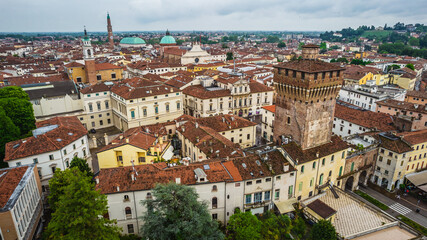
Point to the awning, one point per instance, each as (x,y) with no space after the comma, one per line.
(423,187)
(417,179)
(286,206)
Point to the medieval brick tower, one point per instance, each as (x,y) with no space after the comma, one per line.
(306,96)
(110,32)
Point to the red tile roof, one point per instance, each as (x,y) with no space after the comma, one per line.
(302,156)
(271,108)
(199,91)
(99,87)
(73,64)
(105,66)
(135,137)
(414,138)
(226,122)
(310,66)
(368,119)
(9,180)
(69,130)
(393,143)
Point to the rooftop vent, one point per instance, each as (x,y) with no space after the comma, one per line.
(71,134)
(15,146)
(244,165)
(59,140)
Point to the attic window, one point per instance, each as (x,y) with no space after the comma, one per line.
(206,167)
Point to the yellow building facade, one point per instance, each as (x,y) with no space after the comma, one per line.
(127,153)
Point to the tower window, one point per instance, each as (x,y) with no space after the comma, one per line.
(289,120)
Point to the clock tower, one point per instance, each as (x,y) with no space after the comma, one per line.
(110,32)
(89,58)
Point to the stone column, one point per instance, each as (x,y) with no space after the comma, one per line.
(106,138)
(94,142)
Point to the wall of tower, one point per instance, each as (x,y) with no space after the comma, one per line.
(305,105)
(90,71)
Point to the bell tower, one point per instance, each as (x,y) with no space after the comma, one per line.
(110,32)
(306,96)
(89,58)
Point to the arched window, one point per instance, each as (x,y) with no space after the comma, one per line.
(302,169)
(107,104)
(314,165)
(330,173)
(128,211)
(98,105)
(90,107)
(214,202)
(321,179)
(214,188)
(89,53)
(323,162)
(126,198)
(339,175)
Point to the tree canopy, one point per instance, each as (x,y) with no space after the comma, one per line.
(175,210)
(281,44)
(323,230)
(410,66)
(8,132)
(244,226)
(77,208)
(13,92)
(230,56)
(82,165)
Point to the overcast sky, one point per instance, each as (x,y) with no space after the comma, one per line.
(147,15)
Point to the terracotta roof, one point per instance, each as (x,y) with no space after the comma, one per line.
(133,136)
(151,174)
(402,105)
(418,94)
(393,143)
(99,87)
(414,138)
(27,79)
(321,208)
(69,130)
(208,141)
(271,108)
(226,122)
(302,156)
(139,88)
(257,87)
(73,64)
(368,119)
(9,180)
(200,92)
(310,66)
(105,66)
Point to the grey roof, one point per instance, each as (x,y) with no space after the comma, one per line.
(50,89)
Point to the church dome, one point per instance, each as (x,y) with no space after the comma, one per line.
(168,39)
(132,41)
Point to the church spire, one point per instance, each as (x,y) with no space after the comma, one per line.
(110,32)
(85,32)
(167,32)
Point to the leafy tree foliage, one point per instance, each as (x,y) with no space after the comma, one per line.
(392,67)
(323,230)
(18,108)
(323,46)
(244,226)
(410,66)
(272,39)
(8,132)
(78,207)
(13,92)
(359,62)
(175,213)
(82,165)
(414,41)
(401,49)
(298,227)
(281,44)
(230,56)
(275,226)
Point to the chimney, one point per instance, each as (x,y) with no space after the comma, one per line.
(197,125)
(97,180)
(178,180)
(127,140)
(118,188)
(106,138)
(94,142)
(285,168)
(197,139)
(121,137)
(317,154)
(132,175)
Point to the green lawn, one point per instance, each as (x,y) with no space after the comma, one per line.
(413,224)
(372,200)
(375,33)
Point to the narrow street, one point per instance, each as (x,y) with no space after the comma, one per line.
(403,206)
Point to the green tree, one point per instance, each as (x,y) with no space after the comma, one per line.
(230,56)
(244,226)
(224,45)
(179,42)
(342,59)
(410,66)
(299,227)
(275,226)
(323,46)
(392,67)
(281,44)
(175,210)
(272,39)
(323,230)
(8,132)
(21,112)
(78,209)
(414,41)
(82,165)
(13,92)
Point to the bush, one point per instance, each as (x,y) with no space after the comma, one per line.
(413,224)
